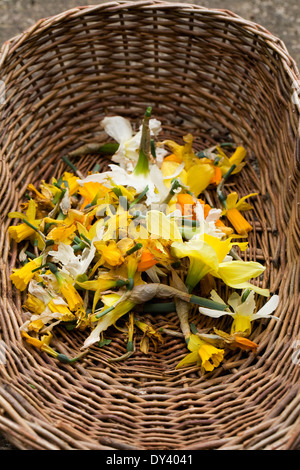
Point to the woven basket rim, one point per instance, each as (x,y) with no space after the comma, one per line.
(61,436)
(223,14)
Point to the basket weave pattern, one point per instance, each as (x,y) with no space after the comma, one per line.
(220,77)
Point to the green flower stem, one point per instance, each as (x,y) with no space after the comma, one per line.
(72,166)
(87,240)
(165,307)
(168,307)
(52,268)
(142,166)
(195,299)
(175,185)
(135,248)
(101,314)
(219,190)
(140,196)
(40,267)
(69,163)
(226,144)
(130,346)
(94,148)
(245,295)
(34,228)
(226,176)
(66,360)
(79,246)
(153,150)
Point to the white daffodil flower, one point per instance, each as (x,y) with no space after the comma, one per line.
(207,225)
(72,264)
(242,311)
(156,193)
(120,129)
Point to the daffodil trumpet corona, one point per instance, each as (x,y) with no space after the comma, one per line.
(103,252)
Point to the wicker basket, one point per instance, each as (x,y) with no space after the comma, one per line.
(220,77)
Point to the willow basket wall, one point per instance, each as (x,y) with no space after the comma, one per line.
(208,72)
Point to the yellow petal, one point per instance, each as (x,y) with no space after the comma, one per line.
(34,305)
(236,272)
(211,356)
(198,177)
(244,206)
(238,156)
(188,360)
(71,295)
(21,277)
(203,259)
(241,324)
(20,232)
(231,200)
(168,169)
(31,210)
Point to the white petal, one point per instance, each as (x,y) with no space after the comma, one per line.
(117,127)
(213,215)
(155,127)
(160,155)
(74,265)
(156,177)
(39,291)
(93,337)
(59,301)
(213,313)
(268,308)
(216,298)
(65,204)
(247,308)
(234,301)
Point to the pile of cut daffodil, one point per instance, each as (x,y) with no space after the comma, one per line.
(140,237)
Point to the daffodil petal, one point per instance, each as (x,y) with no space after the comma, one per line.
(209,312)
(188,360)
(268,308)
(198,177)
(236,271)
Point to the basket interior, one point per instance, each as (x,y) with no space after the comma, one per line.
(222,79)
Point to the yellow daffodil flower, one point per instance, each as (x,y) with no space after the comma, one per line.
(149,333)
(34,304)
(233,210)
(22,276)
(236,274)
(242,311)
(182,153)
(115,307)
(24,231)
(70,182)
(203,354)
(63,233)
(42,344)
(110,253)
(67,289)
(236,159)
(207,255)
(204,256)
(57,306)
(92,191)
(98,285)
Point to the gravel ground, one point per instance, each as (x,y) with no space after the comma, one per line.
(281,19)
